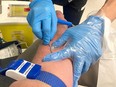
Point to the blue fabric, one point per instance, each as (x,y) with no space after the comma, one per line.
(83,46)
(73,10)
(50,79)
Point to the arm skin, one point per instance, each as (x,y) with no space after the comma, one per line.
(108,10)
(62,69)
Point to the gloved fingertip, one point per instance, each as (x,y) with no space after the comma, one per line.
(52,36)
(45,59)
(46,41)
(55,44)
(52,57)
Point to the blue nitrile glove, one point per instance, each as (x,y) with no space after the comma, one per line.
(42,18)
(83,45)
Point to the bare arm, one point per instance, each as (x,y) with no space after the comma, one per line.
(109,9)
(62,69)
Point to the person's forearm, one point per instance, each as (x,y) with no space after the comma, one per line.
(108,10)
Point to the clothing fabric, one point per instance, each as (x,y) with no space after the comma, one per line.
(72,10)
(103,73)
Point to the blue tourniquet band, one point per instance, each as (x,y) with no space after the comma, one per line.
(33,71)
(50,79)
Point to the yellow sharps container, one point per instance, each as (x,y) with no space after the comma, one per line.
(13,23)
(20,32)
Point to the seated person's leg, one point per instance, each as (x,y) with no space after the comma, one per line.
(61,69)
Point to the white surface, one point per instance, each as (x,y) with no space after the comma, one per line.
(15,75)
(57,7)
(92,5)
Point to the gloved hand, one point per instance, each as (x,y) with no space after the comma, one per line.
(42,18)
(83,45)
